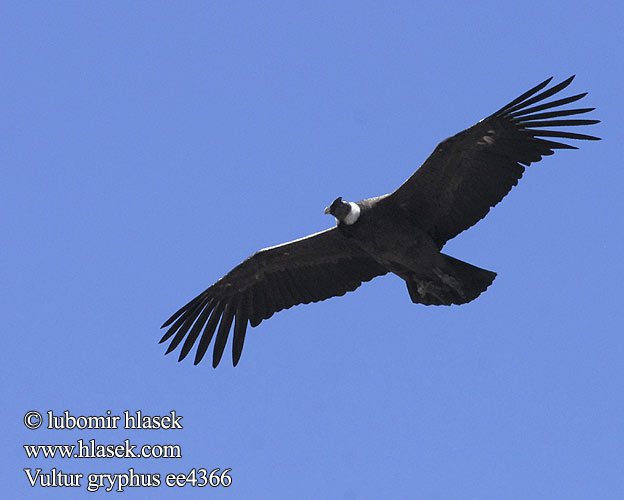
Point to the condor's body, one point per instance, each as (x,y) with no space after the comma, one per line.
(402,232)
(393,240)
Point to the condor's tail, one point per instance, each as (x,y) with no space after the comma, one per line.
(453,282)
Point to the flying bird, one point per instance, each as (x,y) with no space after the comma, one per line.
(401,233)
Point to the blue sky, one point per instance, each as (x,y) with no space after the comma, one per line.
(148,148)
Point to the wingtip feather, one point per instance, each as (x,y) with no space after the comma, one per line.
(171,348)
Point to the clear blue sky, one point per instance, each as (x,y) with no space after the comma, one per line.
(149,147)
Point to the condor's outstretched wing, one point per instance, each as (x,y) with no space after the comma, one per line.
(309,269)
(472,171)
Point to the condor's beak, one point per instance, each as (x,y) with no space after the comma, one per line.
(327,212)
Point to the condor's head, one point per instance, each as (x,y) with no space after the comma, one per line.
(346,212)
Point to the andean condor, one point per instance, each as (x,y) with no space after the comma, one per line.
(401,232)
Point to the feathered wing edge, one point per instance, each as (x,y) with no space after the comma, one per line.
(527,117)
(273,279)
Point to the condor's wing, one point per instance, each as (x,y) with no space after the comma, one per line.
(472,171)
(309,269)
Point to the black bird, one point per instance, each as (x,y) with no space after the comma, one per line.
(401,232)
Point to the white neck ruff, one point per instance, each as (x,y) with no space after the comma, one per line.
(353,214)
